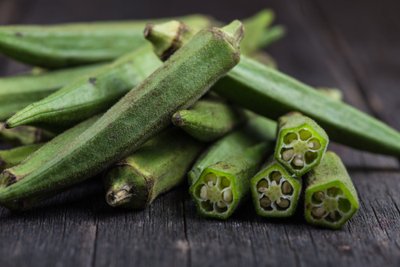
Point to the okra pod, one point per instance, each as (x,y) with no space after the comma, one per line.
(89,95)
(208,120)
(139,115)
(24,135)
(222,186)
(271,93)
(330,197)
(155,168)
(275,192)
(301,143)
(46,153)
(71,44)
(17,92)
(14,156)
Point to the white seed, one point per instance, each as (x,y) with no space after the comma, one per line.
(286,188)
(227,196)
(210,183)
(203,192)
(265,202)
(262,189)
(298,161)
(283,203)
(221,204)
(288,154)
(318,212)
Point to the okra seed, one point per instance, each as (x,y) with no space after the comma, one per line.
(318,212)
(211,179)
(310,156)
(334,191)
(289,138)
(304,134)
(288,154)
(262,186)
(286,188)
(221,204)
(265,202)
(318,197)
(225,182)
(298,161)
(283,203)
(203,192)
(314,144)
(227,196)
(275,176)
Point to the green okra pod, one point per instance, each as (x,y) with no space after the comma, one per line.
(45,154)
(24,135)
(155,168)
(301,143)
(272,93)
(222,187)
(208,119)
(14,156)
(330,196)
(275,192)
(139,115)
(17,92)
(71,44)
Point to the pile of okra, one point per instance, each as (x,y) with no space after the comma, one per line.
(147,105)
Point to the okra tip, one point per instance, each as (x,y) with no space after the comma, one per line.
(177,119)
(6,177)
(118,197)
(234,30)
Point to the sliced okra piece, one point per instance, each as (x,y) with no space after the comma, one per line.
(301,143)
(330,196)
(275,192)
(221,187)
(208,119)
(157,167)
(139,115)
(14,156)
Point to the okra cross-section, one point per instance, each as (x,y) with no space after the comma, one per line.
(301,143)
(330,197)
(275,192)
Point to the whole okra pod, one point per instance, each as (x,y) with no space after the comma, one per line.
(17,92)
(301,143)
(223,186)
(46,153)
(275,192)
(330,197)
(271,93)
(24,135)
(14,156)
(208,119)
(155,168)
(71,44)
(139,115)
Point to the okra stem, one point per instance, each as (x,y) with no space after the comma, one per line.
(138,116)
(209,119)
(17,92)
(71,44)
(301,143)
(222,186)
(330,197)
(24,135)
(157,167)
(275,192)
(12,157)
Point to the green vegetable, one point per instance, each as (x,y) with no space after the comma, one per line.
(301,143)
(45,154)
(208,120)
(64,45)
(139,115)
(272,35)
(271,93)
(222,186)
(330,197)
(275,192)
(157,167)
(90,94)
(14,156)
(24,135)
(16,92)
(227,166)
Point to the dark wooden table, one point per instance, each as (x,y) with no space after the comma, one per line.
(352,45)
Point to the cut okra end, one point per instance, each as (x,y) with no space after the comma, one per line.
(275,192)
(214,194)
(330,205)
(302,147)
